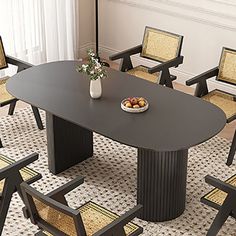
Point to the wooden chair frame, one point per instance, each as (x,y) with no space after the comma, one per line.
(227,209)
(56,199)
(13,179)
(232,151)
(21,66)
(165,78)
(202,90)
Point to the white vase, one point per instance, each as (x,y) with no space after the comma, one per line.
(96,88)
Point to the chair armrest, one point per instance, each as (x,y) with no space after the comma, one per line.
(59,193)
(40,233)
(204,76)
(128,52)
(6,171)
(66,188)
(22,65)
(166,65)
(120,222)
(220,184)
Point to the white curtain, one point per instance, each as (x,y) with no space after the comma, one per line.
(40,30)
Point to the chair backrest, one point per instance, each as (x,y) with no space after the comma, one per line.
(160,45)
(227,67)
(3,62)
(27,174)
(51,215)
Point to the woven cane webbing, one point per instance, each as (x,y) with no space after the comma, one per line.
(55,218)
(96,217)
(26,172)
(223,100)
(217,196)
(227,69)
(159,45)
(142,72)
(4,95)
(3,63)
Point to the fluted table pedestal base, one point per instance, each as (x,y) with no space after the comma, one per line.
(161,186)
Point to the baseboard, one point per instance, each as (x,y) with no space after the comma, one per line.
(84,48)
(182,76)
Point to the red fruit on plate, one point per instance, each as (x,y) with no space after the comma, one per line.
(134,101)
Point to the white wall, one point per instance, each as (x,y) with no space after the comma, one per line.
(86,26)
(207,26)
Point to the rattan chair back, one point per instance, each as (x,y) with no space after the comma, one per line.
(227,68)
(27,174)
(12,174)
(51,215)
(161,45)
(3,62)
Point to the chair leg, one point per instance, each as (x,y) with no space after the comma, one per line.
(165,79)
(1,143)
(201,89)
(5,203)
(126,64)
(40,233)
(169,83)
(232,151)
(12,108)
(220,219)
(119,232)
(37,117)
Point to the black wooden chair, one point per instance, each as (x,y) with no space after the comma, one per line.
(5,97)
(160,46)
(222,198)
(226,73)
(54,217)
(12,174)
(232,151)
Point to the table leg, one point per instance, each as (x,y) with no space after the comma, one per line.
(68,144)
(161,184)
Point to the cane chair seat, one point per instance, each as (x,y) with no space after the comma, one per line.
(217,196)
(142,72)
(27,174)
(225,101)
(4,95)
(94,218)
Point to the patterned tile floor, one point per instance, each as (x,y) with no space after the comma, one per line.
(110,178)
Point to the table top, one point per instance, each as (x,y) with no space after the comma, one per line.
(174,120)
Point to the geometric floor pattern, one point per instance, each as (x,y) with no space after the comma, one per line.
(110,178)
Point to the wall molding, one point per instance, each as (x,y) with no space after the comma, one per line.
(188,11)
(199,9)
(84,48)
(225,2)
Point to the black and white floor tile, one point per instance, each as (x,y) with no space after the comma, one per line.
(110,178)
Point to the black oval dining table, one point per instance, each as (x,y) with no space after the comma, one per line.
(163,134)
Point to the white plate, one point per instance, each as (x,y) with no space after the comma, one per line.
(134,110)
